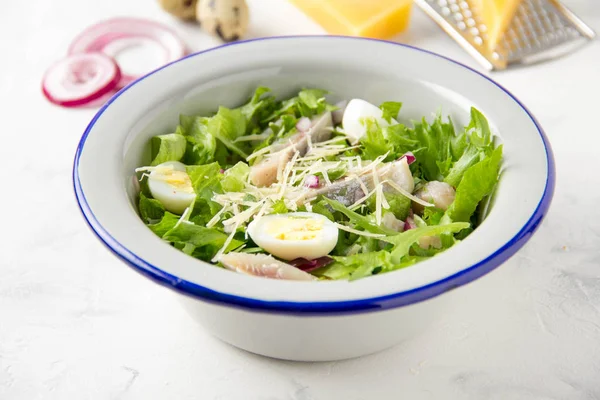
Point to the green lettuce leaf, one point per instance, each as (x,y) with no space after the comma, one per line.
(373,142)
(434,154)
(170,147)
(279,207)
(193,237)
(357,219)
(224,157)
(478,182)
(394,139)
(258,108)
(334,173)
(187,232)
(458,145)
(469,158)
(444,156)
(250,109)
(320,207)
(356,266)
(201,145)
(432,215)
(308,103)
(205,178)
(479,129)
(206,181)
(473,145)
(399,140)
(399,204)
(346,244)
(367,244)
(151,210)
(235,177)
(186,123)
(167,223)
(390,109)
(402,242)
(406,262)
(286,125)
(312,98)
(363,271)
(228,125)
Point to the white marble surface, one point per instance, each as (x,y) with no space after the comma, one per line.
(75,323)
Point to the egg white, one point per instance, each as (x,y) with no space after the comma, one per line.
(170,184)
(294,235)
(356,111)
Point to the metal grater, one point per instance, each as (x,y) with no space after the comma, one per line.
(540,30)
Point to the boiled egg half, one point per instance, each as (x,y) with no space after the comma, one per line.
(294,235)
(353,120)
(170,184)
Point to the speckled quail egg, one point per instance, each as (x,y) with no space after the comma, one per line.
(227,19)
(184,9)
(170,184)
(356,111)
(294,235)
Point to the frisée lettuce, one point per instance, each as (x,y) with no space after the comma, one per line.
(301,188)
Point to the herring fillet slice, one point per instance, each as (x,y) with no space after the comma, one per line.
(349,190)
(264,173)
(263,265)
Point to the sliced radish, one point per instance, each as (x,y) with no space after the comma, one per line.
(118,36)
(80,79)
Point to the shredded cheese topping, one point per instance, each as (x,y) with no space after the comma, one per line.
(292,169)
(409,195)
(227,243)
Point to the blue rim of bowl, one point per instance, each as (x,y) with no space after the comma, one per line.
(399,299)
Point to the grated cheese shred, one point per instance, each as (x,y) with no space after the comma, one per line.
(409,195)
(226,244)
(292,170)
(213,221)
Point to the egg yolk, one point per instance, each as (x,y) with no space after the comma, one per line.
(295,229)
(178,179)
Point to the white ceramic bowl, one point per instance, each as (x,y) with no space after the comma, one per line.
(300,320)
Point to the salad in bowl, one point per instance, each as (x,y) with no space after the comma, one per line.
(327,195)
(303,189)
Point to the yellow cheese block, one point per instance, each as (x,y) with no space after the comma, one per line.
(496,16)
(379,19)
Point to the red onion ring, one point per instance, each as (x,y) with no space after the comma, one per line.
(311,181)
(81,79)
(115,35)
(410,157)
(409,223)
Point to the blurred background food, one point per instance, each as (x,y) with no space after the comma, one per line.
(380,19)
(184,9)
(497,33)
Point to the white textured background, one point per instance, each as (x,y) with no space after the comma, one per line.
(75,323)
